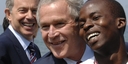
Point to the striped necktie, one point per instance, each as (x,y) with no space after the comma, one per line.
(32,53)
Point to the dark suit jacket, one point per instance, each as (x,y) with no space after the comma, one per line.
(126,44)
(49,58)
(11,51)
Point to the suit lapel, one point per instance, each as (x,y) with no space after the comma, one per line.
(19,49)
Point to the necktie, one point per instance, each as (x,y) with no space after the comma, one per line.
(32,53)
(78,62)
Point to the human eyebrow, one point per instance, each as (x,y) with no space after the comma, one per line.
(91,14)
(58,20)
(22,9)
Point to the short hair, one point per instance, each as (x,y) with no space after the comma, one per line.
(9,4)
(115,9)
(73,7)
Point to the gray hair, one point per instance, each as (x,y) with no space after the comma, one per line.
(73,6)
(9,4)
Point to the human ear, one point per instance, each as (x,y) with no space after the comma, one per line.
(121,22)
(7,13)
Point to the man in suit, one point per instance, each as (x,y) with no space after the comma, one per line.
(15,41)
(60,32)
(102,24)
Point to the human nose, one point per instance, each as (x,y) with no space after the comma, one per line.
(52,32)
(30,15)
(88,24)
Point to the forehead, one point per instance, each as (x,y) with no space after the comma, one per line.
(56,7)
(53,10)
(94,6)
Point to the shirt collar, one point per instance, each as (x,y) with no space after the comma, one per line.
(88,55)
(69,61)
(24,42)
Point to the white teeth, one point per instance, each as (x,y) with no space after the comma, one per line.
(29,25)
(56,43)
(92,35)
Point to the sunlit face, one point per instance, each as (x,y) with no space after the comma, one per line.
(22,17)
(98,27)
(58,29)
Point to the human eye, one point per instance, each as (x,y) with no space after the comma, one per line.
(34,11)
(95,18)
(22,10)
(45,27)
(60,24)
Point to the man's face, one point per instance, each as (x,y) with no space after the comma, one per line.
(58,29)
(98,27)
(22,17)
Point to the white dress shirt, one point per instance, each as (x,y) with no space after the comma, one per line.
(24,42)
(87,58)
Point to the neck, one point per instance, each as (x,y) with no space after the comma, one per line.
(80,49)
(118,56)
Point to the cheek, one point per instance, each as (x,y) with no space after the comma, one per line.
(106,23)
(20,17)
(81,32)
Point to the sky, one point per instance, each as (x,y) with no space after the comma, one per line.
(124,3)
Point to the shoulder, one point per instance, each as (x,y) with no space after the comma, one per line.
(7,40)
(4,44)
(6,37)
(46,59)
(49,58)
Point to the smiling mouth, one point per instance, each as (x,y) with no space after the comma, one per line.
(92,35)
(28,24)
(58,43)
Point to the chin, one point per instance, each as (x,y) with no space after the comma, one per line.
(28,33)
(95,46)
(59,55)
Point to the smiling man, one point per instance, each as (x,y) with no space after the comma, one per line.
(15,41)
(60,32)
(102,24)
